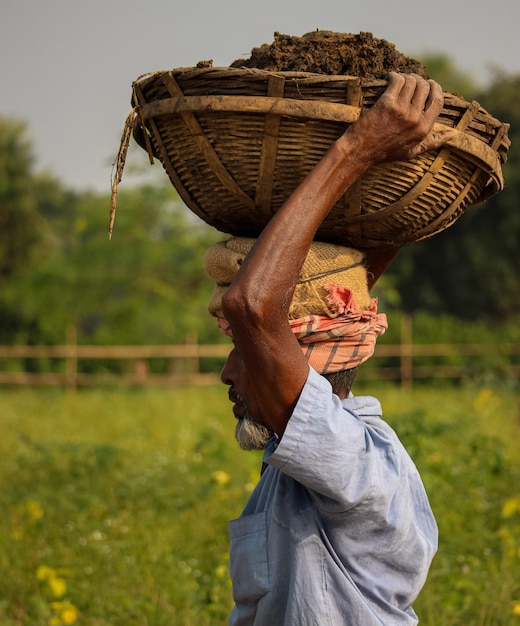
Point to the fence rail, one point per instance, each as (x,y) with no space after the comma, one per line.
(185,363)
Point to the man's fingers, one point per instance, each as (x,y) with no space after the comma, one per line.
(434,141)
(395,83)
(435,99)
(423,95)
(403,118)
(410,91)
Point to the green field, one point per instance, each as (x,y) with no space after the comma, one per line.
(114,504)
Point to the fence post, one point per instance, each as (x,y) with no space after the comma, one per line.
(71,362)
(406,352)
(193,364)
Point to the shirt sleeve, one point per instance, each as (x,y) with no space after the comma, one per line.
(334,453)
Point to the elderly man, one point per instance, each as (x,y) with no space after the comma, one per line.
(339,529)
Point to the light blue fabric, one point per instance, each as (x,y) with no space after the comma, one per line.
(338,530)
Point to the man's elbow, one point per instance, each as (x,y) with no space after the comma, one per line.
(238,304)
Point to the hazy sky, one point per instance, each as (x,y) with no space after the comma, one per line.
(67,66)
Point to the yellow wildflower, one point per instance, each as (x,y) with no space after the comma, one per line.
(511,507)
(43,572)
(67,612)
(34,510)
(485,399)
(58,586)
(221,477)
(221,571)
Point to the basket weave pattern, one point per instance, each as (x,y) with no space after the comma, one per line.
(236,142)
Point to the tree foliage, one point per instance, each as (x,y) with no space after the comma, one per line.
(21,225)
(146,285)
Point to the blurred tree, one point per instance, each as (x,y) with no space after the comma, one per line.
(146,285)
(24,236)
(22,230)
(58,267)
(148,282)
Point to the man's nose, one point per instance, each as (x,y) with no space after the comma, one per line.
(228,372)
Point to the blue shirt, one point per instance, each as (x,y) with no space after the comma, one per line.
(338,530)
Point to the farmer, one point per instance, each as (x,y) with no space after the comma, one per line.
(339,529)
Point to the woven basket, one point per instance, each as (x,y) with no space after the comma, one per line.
(236,142)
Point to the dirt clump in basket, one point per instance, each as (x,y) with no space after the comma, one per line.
(327,52)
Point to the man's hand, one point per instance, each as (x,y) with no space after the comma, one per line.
(399,126)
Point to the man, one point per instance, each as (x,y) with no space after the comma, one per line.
(339,529)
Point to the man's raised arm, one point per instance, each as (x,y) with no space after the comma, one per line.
(271,364)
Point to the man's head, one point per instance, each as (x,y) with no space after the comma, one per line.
(331,315)
(250,434)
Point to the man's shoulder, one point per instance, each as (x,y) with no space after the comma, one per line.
(363,406)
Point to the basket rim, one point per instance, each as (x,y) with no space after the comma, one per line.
(314,109)
(451,99)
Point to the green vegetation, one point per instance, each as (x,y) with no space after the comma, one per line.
(115,504)
(118,505)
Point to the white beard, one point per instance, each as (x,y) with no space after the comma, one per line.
(250,434)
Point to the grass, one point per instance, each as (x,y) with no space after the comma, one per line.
(114,504)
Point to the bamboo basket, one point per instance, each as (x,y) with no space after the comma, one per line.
(236,142)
